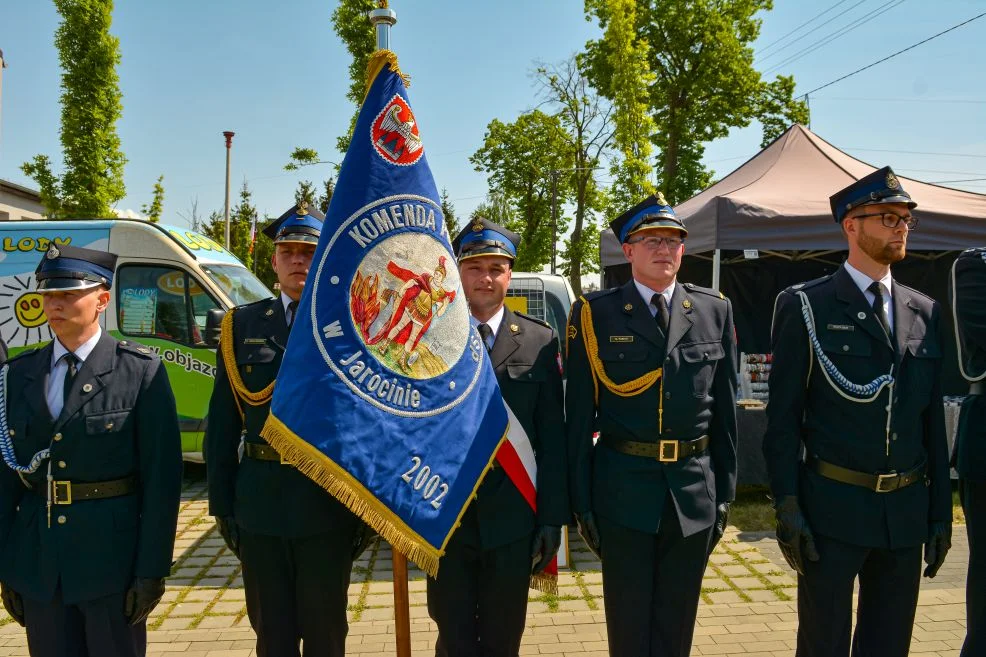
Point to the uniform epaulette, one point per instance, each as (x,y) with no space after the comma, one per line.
(533,319)
(691,287)
(592,296)
(807,285)
(136,348)
(911,289)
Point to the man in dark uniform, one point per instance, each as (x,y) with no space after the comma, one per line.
(3,351)
(969,305)
(91,484)
(296,541)
(652,365)
(856,383)
(479,600)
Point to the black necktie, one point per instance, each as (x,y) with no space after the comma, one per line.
(71,360)
(663,317)
(878,309)
(293,310)
(487,333)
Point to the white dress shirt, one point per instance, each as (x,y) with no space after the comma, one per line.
(863,282)
(59,368)
(286,301)
(494,324)
(647,294)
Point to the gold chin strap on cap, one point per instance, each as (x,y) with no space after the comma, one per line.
(240,391)
(630,388)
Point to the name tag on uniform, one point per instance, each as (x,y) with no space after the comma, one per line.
(254,340)
(621,338)
(841,327)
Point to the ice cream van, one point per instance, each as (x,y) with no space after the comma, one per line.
(171,287)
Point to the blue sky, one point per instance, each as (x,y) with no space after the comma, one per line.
(276,74)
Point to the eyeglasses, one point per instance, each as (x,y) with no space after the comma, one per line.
(891,220)
(653,243)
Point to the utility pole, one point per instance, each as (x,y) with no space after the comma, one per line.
(554,217)
(228,134)
(3,65)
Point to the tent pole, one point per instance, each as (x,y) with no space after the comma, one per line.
(716,261)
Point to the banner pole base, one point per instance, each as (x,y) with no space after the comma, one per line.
(402,611)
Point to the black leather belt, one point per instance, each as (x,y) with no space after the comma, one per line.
(665,451)
(67,492)
(262,452)
(880,483)
(977,388)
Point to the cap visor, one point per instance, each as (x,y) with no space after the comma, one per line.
(66,284)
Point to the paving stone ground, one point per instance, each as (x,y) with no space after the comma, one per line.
(748,602)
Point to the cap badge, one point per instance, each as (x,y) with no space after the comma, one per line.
(661,199)
(53,253)
(892,182)
(302,209)
(477,226)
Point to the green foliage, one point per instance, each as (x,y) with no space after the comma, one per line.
(92,181)
(700,55)
(301,157)
(451,223)
(262,252)
(241,219)
(305,193)
(497,208)
(519,158)
(154,210)
(778,110)
(328,189)
(351,23)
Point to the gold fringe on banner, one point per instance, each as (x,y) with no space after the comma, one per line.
(378,60)
(545,583)
(347,489)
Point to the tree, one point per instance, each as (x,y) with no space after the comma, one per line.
(519,158)
(154,210)
(241,218)
(92,181)
(301,157)
(449,211)
(778,111)
(305,193)
(497,208)
(262,252)
(328,189)
(351,23)
(587,122)
(700,55)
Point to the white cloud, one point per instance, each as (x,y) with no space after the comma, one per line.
(128,214)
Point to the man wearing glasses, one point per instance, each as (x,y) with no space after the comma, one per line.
(856,383)
(652,366)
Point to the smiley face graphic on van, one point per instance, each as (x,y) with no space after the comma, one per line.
(29,310)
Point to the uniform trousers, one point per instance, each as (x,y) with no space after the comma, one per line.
(651,586)
(93,628)
(888,595)
(296,590)
(973,495)
(479,600)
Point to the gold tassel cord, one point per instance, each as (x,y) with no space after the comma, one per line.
(630,388)
(378,60)
(227,344)
(545,583)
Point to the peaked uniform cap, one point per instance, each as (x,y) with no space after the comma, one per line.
(299,224)
(483,237)
(881,186)
(652,212)
(74,268)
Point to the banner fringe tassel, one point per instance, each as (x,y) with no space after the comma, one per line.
(545,583)
(293,450)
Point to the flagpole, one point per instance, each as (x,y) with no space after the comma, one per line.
(383,18)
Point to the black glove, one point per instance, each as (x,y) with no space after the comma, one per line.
(792,531)
(938,545)
(142,596)
(364,536)
(719,528)
(589,531)
(547,540)
(230,533)
(13,603)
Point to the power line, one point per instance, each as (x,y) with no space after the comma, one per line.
(770,45)
(834,36)
(902,100)
(885,150)
(888,57)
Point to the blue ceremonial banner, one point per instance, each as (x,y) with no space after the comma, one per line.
(385,396)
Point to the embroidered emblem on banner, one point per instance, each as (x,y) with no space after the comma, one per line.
(391,325)
(395,134)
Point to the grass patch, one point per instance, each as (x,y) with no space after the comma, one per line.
(753,510)
(958,515)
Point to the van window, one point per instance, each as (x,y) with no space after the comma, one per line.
(155,301)
(237,283)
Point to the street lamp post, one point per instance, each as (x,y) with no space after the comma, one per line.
(228,134)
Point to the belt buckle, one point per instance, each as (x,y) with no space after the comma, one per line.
(663,455)
(66,487)
(890,476)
